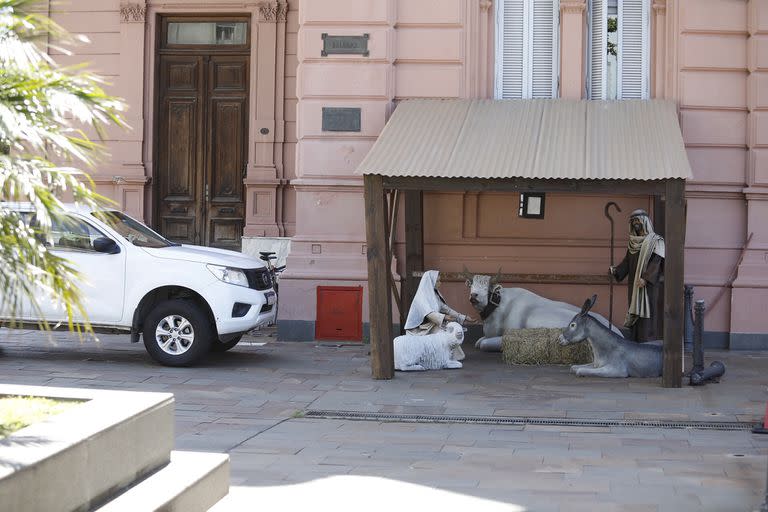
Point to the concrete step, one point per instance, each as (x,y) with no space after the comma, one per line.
(86,453)
(192,482)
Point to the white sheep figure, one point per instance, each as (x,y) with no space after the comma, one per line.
(428,351)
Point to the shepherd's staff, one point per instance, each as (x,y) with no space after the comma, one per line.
(610,293)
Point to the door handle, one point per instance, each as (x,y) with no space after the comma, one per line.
(245,169)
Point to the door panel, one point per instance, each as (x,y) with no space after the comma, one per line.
(228,119)
(230,75)
(202,148)
(102,276)
(102,285)
(179,147)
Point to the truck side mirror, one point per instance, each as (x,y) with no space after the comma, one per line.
(106,245)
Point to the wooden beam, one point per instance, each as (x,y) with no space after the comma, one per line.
(623,187)
(674,273)
(414,246)
(379,277)
(593,279)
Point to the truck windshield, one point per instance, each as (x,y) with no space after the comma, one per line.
(132,230)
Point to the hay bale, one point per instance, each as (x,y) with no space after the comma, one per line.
(539,346)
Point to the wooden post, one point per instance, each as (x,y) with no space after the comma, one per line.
(394,206)
(674,273)
(379,276)
(414,245)
(659,217)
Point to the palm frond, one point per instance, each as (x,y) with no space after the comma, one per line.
(45,112)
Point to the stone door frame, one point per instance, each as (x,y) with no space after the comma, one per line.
(266,119)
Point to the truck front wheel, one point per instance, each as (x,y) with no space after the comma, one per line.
(177,333)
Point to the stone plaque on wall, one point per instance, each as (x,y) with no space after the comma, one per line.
(341,119)
(345,45)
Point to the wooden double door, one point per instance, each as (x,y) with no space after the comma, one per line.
(202,146)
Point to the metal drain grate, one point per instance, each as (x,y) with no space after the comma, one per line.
(527,420)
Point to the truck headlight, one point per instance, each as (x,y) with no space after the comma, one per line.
(229,275)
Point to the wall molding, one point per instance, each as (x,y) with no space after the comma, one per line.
(573,7)
(273,12)
(742,33)
(133,13)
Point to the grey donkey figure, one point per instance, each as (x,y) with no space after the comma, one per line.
(613,356)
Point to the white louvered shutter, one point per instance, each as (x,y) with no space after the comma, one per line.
(633,49)
(526,48)
(544,48)
(510,26)
(598,17)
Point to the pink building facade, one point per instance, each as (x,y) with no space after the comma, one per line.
(299,190)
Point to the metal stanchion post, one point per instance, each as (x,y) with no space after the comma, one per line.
(688,322)
(699,374)
(698,338)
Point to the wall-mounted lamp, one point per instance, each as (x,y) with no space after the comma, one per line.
(531,205)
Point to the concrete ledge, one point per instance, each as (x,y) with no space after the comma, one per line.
(192,482)
(295,330)
(716,340)
(304,330)
(77,458)
(746,341)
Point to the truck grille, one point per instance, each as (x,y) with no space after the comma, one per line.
(258,278)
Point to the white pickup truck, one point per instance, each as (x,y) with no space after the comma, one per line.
(184,300)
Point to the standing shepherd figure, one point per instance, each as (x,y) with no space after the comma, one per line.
(429,313)
(644,264)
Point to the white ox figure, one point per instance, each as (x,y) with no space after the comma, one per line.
(502,309)
(428,351)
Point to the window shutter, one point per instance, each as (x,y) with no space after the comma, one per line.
(598,16)
(526,48)
(510,21)
(544,46)
(633,49)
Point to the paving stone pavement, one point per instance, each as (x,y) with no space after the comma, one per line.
(249,402)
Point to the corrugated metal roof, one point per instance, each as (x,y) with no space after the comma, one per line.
(557,139)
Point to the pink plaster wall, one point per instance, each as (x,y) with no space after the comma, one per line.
(708,55)
(123,53)
(711,56)
(121,174)
(722,102)
(484,233)
(288,193)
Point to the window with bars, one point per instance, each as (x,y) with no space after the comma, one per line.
(619,53)
(527,48)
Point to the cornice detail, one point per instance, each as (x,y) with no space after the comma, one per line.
(273,12)
(659,6)
(485,5)
(133,13)
(573,7)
